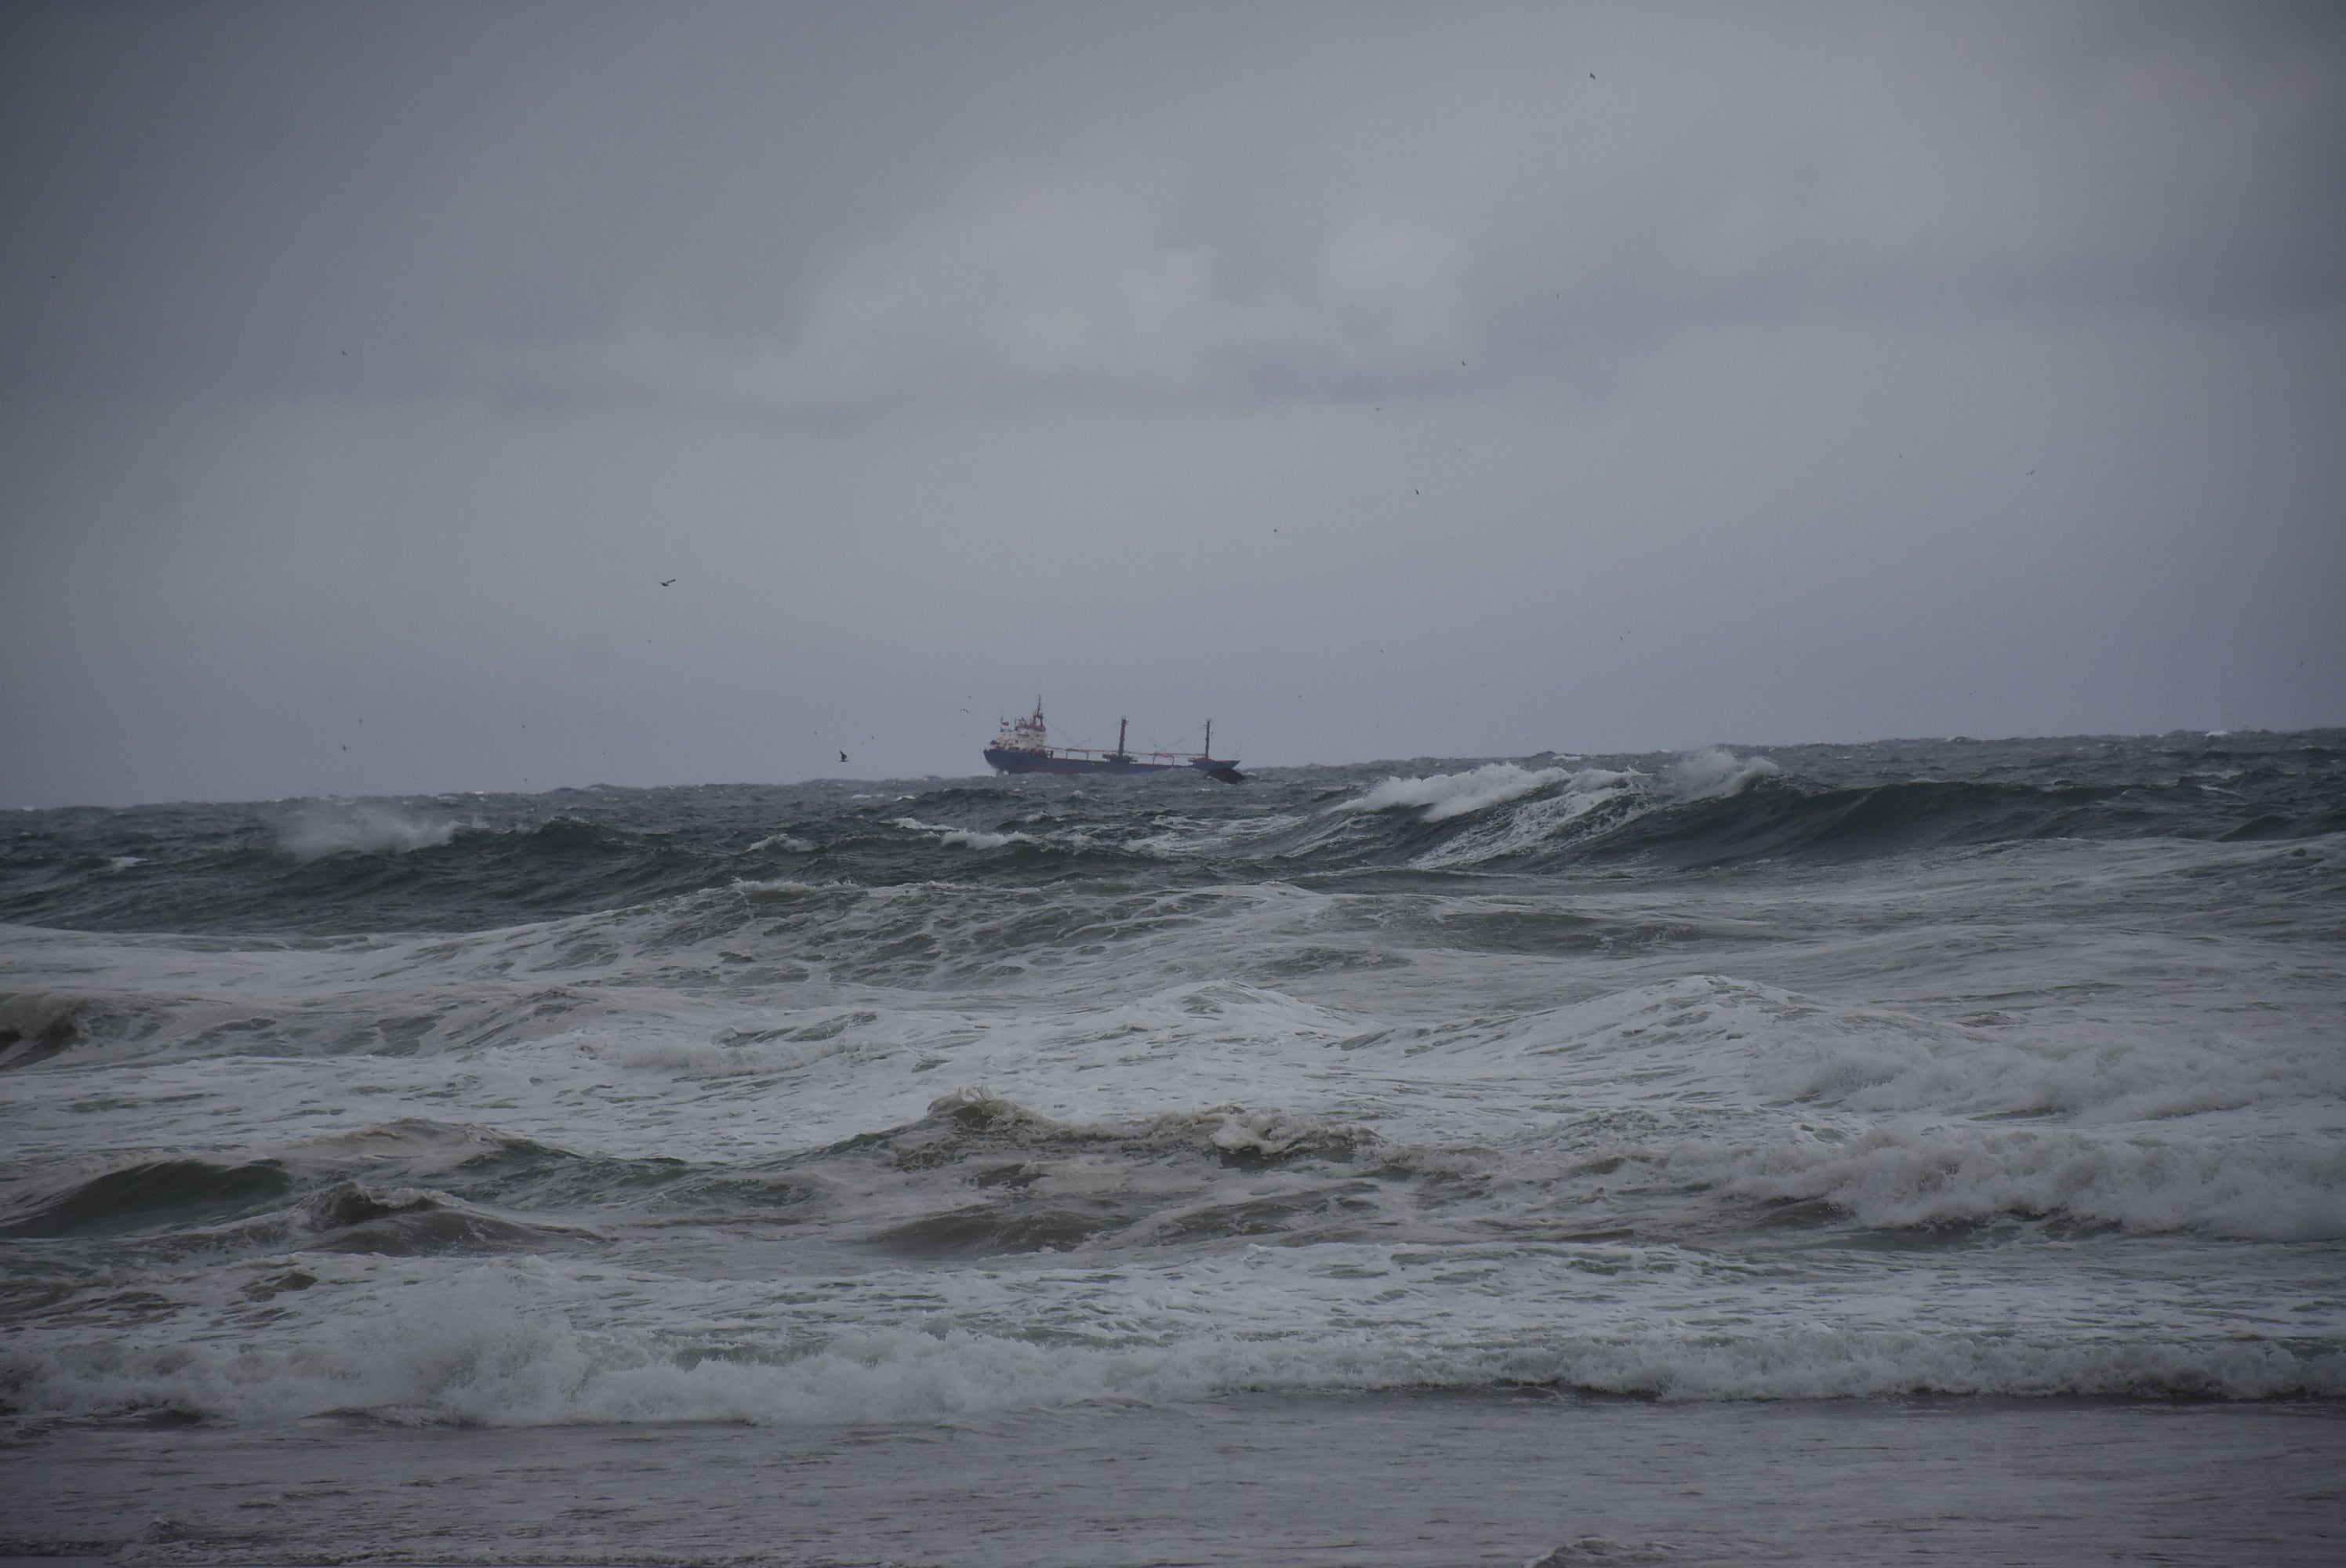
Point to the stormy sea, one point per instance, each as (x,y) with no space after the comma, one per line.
(1919,1151)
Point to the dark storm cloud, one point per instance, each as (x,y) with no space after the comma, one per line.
(807,207)
(1391,378)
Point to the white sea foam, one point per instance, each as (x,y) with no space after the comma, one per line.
(978,838)
(487,1345)
(1704,775)
(337,827)
(1448,795)
(783,841)
(1535,821)
(1900,1121)
(1711,1033)
(1714,773)
(964,838)
(1687,1137)
(2276,1189)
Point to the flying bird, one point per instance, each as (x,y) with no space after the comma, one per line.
(842,756)
(669,583)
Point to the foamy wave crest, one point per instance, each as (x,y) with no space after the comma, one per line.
(1713,773)
(1536,822)
(1713,1035)
(1697,775)
(335,826)
(782,841)
(485,1348)
(1900,1179)
(976,839)
(964,838)
(1448,795)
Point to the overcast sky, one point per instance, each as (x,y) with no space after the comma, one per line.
(1378,380)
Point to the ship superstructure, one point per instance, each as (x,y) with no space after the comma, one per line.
(1023,746)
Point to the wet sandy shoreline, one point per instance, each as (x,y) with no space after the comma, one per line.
(1367,1482)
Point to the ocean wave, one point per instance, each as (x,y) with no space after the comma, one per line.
(382,865)
(41,1025)
(1887,1121)
(1714,772)
(335,826)
(411,1222)
(156,1193)
(1518,812)
(1708,1036)
(1715,808)
(1984,1068)
(1589,801)
(966,838)
(968,1123)
(1447,795)
(1894,1179)
(977,839)
(258,1203)
(487,1347)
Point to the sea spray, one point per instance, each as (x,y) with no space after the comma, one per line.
(323,828)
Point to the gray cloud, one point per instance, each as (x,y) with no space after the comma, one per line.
(1386,379)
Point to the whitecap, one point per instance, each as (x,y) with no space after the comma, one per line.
(1714,772)
(964,838)
(334,827)
(1448,795)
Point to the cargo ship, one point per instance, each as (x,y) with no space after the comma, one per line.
(1023,746)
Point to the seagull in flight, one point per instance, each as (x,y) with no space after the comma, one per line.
(669,583)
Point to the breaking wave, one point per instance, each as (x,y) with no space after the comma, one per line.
(1995,1068)
(470,862)
(1447,795)
(966,838)
(489,1347)
(1714,772)
(338,827)
(1897,1179)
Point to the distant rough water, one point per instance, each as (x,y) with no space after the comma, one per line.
(2010,1067)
